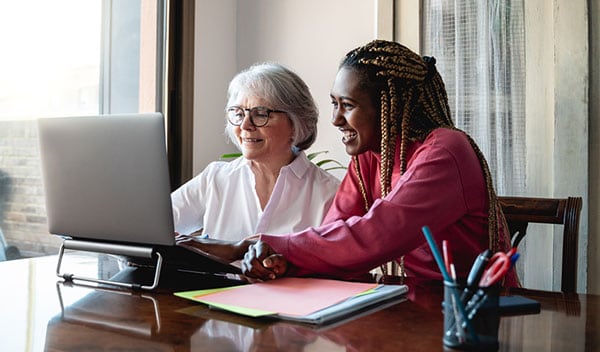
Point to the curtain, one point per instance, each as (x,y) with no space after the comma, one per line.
(480,51)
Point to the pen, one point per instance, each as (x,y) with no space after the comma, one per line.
(450,267)
(440,262)
(514,259)
(475,274)
(448,259)
(511,251)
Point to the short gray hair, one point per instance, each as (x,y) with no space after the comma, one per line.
(286,91)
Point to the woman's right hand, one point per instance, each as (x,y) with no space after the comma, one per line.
(261,262)
(226,250)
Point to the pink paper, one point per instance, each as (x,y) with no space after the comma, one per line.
(289,296)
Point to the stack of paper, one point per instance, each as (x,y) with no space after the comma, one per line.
(307,300)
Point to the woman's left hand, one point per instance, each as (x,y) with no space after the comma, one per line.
(261,261)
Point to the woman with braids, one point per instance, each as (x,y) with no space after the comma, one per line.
(410,167)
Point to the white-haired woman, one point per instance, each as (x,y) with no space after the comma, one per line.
(273,187)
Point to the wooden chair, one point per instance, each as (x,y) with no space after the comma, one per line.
(520,211)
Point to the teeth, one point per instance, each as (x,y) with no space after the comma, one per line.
(348,135)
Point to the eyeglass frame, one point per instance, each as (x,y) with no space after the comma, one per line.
(250,110)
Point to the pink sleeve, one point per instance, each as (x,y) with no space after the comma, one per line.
(347,201)
(431,192)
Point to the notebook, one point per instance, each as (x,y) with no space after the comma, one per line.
(107,188)
(304,300)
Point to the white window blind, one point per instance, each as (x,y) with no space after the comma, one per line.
(480,51)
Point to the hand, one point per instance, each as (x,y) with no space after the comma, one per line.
(261,261)
(229,251)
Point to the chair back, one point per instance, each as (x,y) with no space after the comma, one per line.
(520,211)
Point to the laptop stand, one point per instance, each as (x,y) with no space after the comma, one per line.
(110,248)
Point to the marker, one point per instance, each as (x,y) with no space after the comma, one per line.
(475,274)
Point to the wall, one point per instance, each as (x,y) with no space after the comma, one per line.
(594,152)
(557,130)
(309,36)
(216,64)
(22,210)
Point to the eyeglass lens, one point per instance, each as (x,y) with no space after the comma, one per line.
(258,115)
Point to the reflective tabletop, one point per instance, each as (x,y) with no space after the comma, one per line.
(41,313)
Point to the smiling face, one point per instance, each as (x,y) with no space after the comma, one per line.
(354,114)
(271,143)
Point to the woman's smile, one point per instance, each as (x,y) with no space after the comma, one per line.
(348,135)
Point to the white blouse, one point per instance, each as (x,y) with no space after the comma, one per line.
(222,200)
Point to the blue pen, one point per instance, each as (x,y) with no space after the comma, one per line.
(440,262)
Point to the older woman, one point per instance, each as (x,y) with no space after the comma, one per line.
(273,187)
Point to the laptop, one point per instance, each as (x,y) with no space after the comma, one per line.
(107,188)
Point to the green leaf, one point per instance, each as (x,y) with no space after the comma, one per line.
(230,156)
(335,168)
(311,156)
(328,161)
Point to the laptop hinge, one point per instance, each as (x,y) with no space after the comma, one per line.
(109,248)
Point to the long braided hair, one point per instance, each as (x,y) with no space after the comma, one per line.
(412,101)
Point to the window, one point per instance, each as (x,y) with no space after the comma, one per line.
(67,58)
(480,51)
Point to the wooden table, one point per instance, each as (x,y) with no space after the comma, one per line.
(39,313)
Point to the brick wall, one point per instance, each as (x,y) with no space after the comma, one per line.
(22,207)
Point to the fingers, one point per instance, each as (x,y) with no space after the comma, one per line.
(252,264)
(260,261)
(276,263)
(179,238)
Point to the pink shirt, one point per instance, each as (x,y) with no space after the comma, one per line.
(443,187)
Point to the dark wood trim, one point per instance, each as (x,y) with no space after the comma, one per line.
(520,211)
(180,88)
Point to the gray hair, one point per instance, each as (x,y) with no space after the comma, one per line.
(286,91)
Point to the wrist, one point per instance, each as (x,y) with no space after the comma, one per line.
(240,248)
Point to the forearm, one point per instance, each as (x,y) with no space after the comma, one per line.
(227,250)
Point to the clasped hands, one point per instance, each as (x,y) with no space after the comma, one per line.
(258,259)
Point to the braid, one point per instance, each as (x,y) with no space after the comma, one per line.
(385,120)
(411,97)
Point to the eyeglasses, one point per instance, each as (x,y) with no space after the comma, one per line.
(259,116)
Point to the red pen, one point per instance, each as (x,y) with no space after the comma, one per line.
(448,259)
(511,252)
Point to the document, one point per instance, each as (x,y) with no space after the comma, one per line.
(307,300)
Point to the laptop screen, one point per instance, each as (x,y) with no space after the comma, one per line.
(106,178)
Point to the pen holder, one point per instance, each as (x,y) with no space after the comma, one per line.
(482,315)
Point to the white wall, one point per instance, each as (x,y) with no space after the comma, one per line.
(215,50)
(557,127)
(594,152)
(309,36)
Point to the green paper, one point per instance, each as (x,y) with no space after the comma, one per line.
(197,296)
